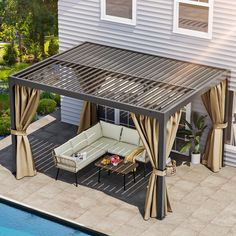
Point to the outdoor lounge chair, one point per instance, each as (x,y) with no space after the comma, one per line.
(95,142)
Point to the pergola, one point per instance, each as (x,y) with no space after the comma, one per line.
(143,84)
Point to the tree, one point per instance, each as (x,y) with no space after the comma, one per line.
(28,22)
(10,55)
(8,33)
(16,18)
(2,10)
(22,22)
(44,18)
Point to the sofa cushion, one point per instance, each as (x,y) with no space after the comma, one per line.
(64,148)
(130,136)
(93,133)
(92,154)
(104,143)
(79,142)
(122,149)
(69,152)
(111,131)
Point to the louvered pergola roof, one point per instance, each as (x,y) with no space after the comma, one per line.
(120,78)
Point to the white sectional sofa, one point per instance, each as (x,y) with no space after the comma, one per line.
(96,141)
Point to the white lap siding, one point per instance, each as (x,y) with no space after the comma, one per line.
(79,21)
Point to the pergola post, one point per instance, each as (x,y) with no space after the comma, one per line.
(13,122)
(161,186)
(227,96)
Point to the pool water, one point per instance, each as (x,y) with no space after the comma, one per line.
(15,222)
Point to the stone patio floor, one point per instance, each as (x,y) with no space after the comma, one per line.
(204,203)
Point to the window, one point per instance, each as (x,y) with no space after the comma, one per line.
(115,116)
(106,113)
(126,119)
(121,11)
(180,139)
(193,17)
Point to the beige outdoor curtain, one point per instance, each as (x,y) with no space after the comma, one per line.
(88,116)
(148,129)
(26,103)
(214,101)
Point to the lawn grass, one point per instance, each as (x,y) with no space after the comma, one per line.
(5,71)
(4,101)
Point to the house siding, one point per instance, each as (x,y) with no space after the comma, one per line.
(79,21)
(70,110)
(229,158)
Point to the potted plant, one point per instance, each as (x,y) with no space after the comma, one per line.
(193,136)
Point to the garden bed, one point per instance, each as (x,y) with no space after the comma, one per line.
(49,102)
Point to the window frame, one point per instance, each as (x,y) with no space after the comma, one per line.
(117,19)
(189,32)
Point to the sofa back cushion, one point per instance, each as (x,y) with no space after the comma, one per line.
(110,130)
(64,148)
(93,133)
(79,142)
(130,136)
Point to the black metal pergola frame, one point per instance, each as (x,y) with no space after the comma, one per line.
(123,79)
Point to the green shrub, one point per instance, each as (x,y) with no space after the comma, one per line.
(53,47)
(4,73)
(57,99)
(53,96)
(6,112)
(4,102)
(48,95)
(46,106)
(5,125)
(19,66)
(10,55)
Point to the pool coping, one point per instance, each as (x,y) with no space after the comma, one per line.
(50,216)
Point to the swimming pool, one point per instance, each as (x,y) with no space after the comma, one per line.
(16,220)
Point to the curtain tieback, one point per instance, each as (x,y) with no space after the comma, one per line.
(220,126)
(18,132)
(159,172)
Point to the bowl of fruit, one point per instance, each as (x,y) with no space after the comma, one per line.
(115,160)
(105,161)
